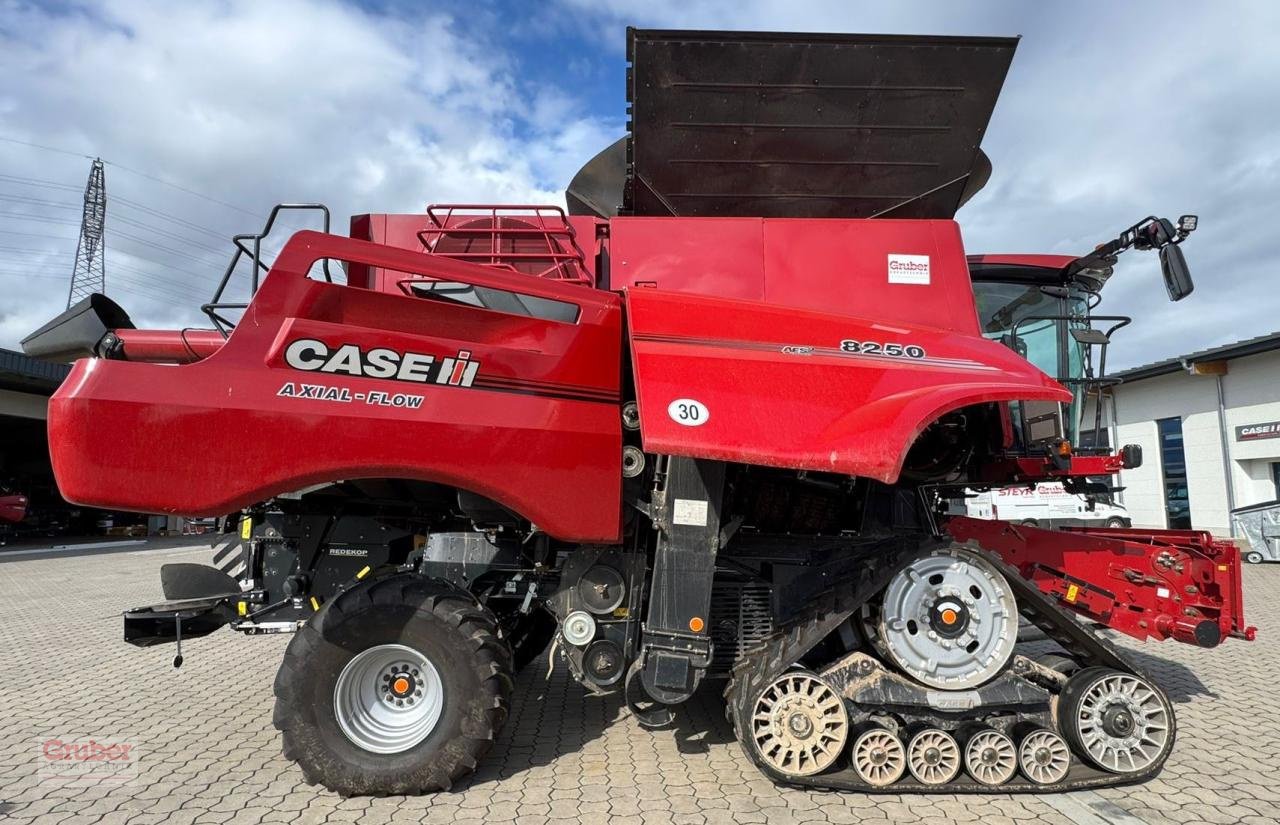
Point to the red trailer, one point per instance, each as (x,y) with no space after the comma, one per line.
(704,424)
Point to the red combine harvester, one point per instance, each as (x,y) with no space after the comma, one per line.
(704,424)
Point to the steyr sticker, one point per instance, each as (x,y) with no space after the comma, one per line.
(688,413)
(908,269)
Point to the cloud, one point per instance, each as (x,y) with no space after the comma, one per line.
(1104,119)
(252,103)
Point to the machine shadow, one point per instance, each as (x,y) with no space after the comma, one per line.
(554,717)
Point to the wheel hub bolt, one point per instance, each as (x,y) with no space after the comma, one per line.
(800,725)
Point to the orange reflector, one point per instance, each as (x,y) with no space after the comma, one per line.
(1073,593)
(400,685)
(696,624)
(948,616)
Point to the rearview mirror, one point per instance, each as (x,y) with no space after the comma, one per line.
(1177,277)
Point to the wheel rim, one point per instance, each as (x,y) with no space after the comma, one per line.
(933,757)
(388,698)
(990,757)
(800,725)
(879,758)
(1122,723)
(1044,757)
(949,619)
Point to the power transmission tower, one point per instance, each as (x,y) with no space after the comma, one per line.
(90,272)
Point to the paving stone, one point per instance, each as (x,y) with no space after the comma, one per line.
(208,753)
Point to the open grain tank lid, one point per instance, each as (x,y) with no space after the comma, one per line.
(798,125)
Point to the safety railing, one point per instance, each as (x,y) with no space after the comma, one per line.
(250,246)
(530,239)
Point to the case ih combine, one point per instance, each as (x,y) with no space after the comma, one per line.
(703,425)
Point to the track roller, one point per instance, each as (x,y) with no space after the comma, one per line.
(1117,721)
(1044,757)
(990,757)
(879,758)
(933,757)
(799,725)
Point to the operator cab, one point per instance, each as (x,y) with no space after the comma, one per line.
(1026,303)
(1042,307)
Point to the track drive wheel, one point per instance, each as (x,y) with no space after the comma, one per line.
(799,725)
(1117,721)
(398,686)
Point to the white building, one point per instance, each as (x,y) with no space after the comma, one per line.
(1209,427)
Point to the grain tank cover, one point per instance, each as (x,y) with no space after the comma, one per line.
(808,125)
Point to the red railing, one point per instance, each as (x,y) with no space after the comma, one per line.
(533,240)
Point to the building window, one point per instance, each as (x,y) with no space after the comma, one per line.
(1173,462)
(1275,477)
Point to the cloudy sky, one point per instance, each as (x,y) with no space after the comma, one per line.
(385,106)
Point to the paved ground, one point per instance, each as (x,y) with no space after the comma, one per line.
(205,750)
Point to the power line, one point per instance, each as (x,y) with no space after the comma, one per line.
(131,170)
(154,288)
(134,238)
(160,278)
(129,221)
(48,184)
(45,148)
(37,235)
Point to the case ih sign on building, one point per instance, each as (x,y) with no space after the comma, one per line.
(1257,432)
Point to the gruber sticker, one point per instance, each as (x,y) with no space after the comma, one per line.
(688,413)
(311,355)
(908,269)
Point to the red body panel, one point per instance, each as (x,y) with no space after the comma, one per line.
(781,391)
(832,266)
(538,430)
(1036,261)
(1160,584)
(13,509)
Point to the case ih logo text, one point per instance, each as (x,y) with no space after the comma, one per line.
(349,359)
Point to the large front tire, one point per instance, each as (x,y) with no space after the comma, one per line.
(344,688)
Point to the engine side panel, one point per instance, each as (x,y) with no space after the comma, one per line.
(759,384)
(517,408)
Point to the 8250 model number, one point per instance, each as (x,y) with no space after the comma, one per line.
(876,348)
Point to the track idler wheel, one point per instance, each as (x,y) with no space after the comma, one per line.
(1117,721)
(933,757)
(1044,757)
(799,724)
(990,757)
(879,758)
